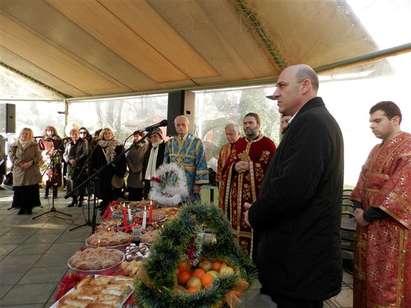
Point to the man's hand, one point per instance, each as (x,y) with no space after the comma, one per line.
(242,166)
(359,217)
(196,189)
(246,206)
(72,162)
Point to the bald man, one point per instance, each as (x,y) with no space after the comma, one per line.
(232,133)
(188,152)
(298,211)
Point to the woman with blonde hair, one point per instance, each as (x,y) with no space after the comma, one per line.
(26,158)
(110,182)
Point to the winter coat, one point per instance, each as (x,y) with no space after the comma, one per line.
(103,182)
(135,159)
(160,157)
(298,210)
(31,153)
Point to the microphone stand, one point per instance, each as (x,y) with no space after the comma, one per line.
(98,172)
(53,210)
(89,221)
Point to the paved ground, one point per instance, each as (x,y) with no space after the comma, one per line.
(33,256)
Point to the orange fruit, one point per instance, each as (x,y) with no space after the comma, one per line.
(198,272)
(193,290)
(183,266)
(207,280)
(216,266)
(183,277)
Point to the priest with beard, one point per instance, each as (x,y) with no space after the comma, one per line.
(242,176)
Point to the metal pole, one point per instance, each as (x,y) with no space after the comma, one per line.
(372,56)
(66,111)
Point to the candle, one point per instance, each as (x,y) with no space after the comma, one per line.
(130,218)
(143,226)
(125,222)
(98,243)
(150,213)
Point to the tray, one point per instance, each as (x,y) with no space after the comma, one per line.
(55,305)
(99,271)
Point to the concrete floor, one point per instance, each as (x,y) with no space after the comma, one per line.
(33,256)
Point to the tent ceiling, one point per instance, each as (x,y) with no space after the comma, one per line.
(102,47)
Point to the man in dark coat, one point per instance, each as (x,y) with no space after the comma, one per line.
(298,209)
(153,159)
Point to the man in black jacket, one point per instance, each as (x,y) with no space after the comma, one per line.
(298,209)
(153,159)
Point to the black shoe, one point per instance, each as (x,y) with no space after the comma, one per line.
(29,211)
(46,196)
(21,211)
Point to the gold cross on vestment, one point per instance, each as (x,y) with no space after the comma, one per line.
(244,156)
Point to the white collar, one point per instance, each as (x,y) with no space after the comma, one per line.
(292,118)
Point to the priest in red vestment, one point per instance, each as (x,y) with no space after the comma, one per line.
(382,202)
(243,175)
(232,133)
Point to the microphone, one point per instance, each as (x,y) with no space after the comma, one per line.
(148,129)
(38,137)
(155,126)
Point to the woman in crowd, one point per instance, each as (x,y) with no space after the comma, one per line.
(75,156)
(85,134)
(110,181)
(135,158)
(26,158)
(52,148)
(153,158)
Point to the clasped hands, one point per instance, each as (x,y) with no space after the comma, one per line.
(359,217)
(242,166)
(25,165)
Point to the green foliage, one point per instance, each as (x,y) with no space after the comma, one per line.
(170,249)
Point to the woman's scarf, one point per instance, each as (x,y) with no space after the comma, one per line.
(24,144)
(152,162)
(108,147)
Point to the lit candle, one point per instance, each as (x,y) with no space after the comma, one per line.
(130,218)
(98,243)
(143,226)
(150,213)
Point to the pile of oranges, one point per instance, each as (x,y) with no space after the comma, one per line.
(203,276)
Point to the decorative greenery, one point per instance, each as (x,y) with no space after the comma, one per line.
(255,24)
(170,249)
(169,187)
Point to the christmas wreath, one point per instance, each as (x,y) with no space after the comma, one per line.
(169,186)
(159,287)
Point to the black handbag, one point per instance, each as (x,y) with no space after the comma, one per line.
(8,180)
